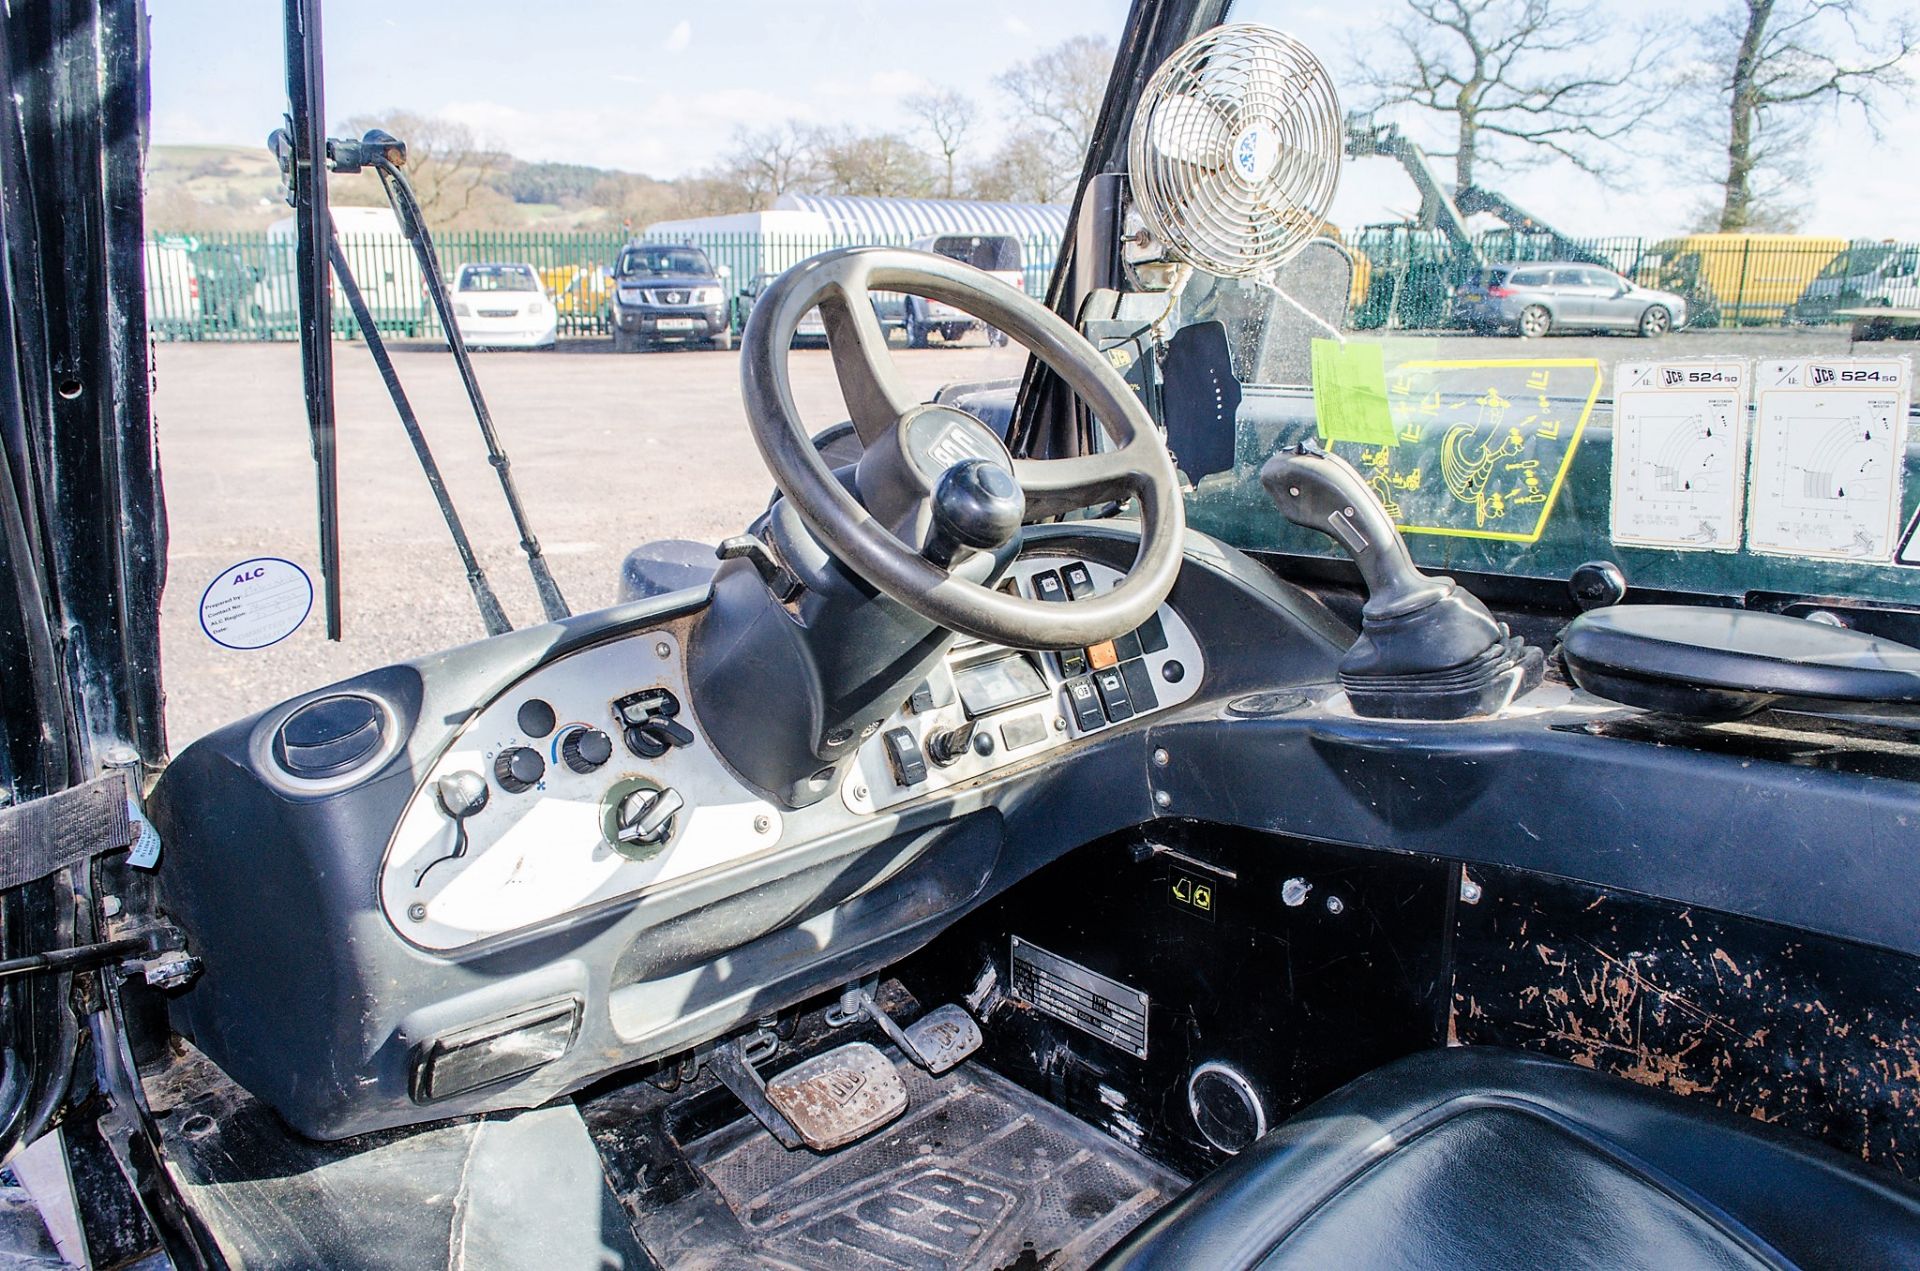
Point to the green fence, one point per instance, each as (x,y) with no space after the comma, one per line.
(1727,279)
(242,286)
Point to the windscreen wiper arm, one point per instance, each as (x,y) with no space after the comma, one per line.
(385,154)
(491,613)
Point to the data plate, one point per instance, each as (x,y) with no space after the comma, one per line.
(1085,999)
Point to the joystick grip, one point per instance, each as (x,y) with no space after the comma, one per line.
(1321,491)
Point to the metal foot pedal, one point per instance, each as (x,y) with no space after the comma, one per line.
(936,1041)
(941,1038)
(824,1102)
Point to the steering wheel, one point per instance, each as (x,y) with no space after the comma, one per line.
(916,451)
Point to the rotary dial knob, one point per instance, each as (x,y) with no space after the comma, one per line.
(518,768)
(585,749)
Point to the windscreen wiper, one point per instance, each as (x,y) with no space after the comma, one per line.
(386,155)
(491,613)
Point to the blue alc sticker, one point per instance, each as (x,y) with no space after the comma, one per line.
(256,603)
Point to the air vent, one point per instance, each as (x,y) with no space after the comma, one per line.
(330,736)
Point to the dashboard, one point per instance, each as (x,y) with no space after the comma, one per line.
(482,879)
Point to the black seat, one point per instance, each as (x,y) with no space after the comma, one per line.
(1483,1158)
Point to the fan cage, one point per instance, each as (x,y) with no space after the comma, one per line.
(1235,152)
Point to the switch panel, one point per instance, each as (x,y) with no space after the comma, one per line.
(542,847)
(1025,706)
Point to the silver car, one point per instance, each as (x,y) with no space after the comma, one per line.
(1535,298)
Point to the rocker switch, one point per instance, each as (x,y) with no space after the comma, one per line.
(1085,704)
(904,757)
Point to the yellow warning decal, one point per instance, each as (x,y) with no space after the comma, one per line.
(1483,446)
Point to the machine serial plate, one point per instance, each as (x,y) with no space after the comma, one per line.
(1074,995)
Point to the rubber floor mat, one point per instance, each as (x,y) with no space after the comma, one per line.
(977,1173)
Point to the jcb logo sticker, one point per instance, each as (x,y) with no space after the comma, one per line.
(1195,895)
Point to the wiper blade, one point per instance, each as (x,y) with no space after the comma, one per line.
(491,612)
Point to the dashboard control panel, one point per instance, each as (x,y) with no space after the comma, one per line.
(987,707)
(585,782)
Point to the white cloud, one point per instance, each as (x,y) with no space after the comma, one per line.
(1017,26)
(679,37)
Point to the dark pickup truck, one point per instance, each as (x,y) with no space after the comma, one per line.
(665,293)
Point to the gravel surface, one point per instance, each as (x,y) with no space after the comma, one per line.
(609,452)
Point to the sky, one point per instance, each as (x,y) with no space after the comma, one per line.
(660,88)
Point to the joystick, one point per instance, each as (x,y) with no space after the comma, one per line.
(1428,649)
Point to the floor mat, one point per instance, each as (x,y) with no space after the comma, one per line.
(977,1173)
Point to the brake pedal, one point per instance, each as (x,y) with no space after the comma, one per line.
(936,1041)
(824,1102)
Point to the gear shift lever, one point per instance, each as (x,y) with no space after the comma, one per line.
(1427,649)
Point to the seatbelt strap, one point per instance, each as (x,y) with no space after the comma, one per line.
(46,835)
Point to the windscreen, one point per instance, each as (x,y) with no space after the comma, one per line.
(497,278)
(662,261)
(995,255)
(1550,326)
(607,218)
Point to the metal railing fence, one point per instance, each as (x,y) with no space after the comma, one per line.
(1749,280)
(240,286)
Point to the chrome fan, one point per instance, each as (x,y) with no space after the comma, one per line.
(1235,150)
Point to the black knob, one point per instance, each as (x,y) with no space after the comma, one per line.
(945,747)
(976,503)
(518,768)
(1597,584)
(646,741)
(584,749)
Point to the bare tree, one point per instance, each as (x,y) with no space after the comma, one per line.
(947,117)
(1768,62)
(770,162)
(1024,169)
(452,172)
(1058,93)
(1514,78)
(882,164)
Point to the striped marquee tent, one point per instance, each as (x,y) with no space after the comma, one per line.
(854,220)
(756,244)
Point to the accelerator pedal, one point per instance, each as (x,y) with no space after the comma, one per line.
(822,1103)
(936,1041)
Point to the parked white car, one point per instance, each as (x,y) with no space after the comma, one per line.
(173,289)
(503,306)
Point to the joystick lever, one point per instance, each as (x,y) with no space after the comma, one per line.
(1428,649)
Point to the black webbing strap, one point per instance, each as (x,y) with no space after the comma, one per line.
(51,833)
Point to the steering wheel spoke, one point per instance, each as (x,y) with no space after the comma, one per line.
(1057,486)
(869,380)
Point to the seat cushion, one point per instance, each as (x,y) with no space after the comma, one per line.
(1489,1158)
